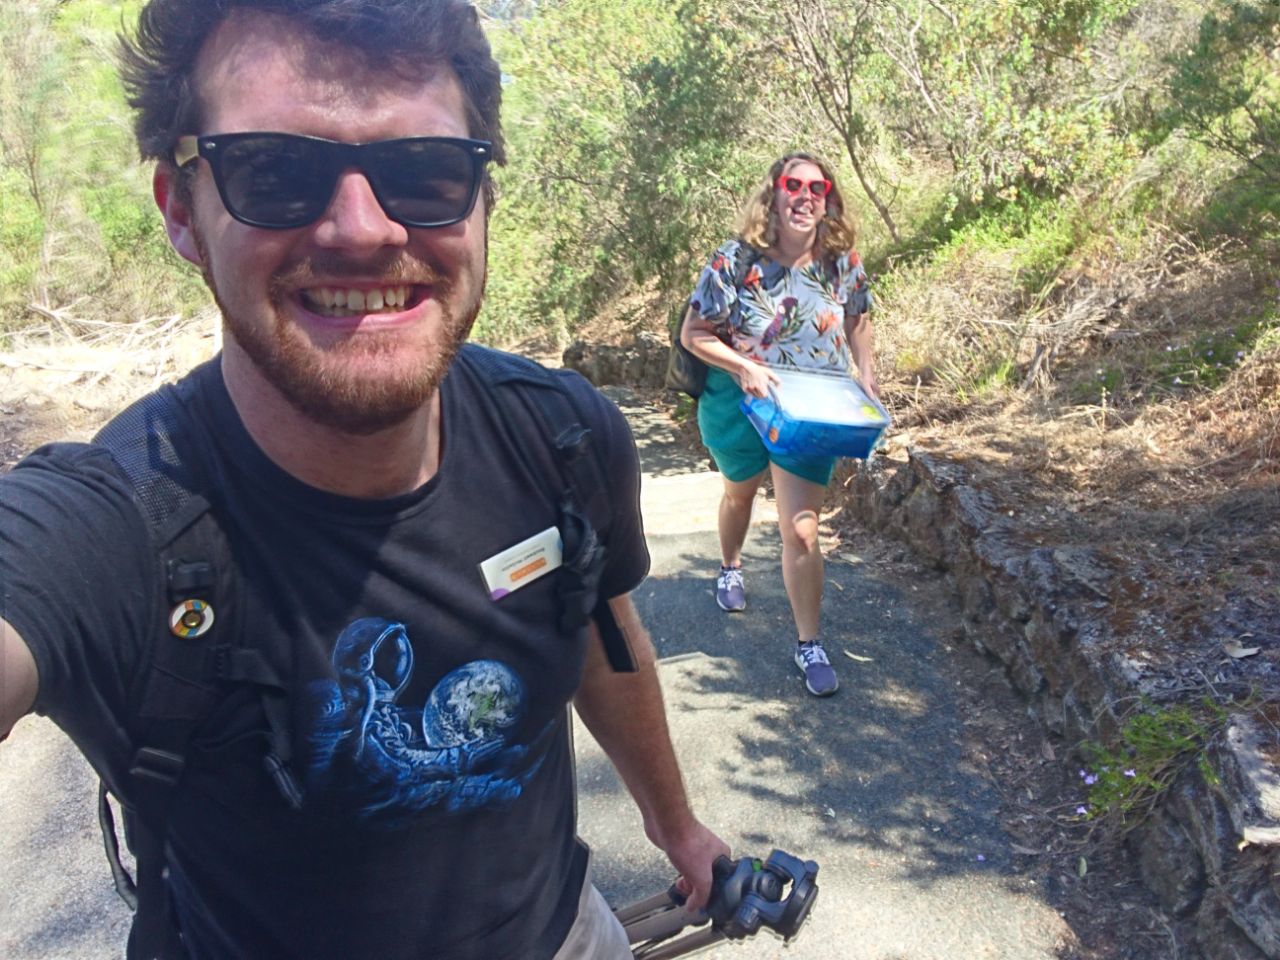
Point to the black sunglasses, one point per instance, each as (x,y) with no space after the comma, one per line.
(280,181)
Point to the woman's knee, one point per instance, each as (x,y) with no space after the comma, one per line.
(741,494)
(800,532)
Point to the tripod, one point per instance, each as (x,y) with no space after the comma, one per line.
(746,894)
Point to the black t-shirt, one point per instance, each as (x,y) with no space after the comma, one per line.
(429,720)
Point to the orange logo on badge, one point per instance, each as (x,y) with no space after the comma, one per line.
(527,569)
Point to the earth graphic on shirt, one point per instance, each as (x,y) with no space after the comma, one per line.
(376,754)
(477,701)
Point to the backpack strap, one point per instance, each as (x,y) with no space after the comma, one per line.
(748,257)
(585,507)
(192,659)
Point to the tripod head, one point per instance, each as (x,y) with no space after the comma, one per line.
(748,894)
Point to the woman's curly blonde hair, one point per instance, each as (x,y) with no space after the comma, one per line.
(758,223)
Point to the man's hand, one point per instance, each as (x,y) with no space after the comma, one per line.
(692,854)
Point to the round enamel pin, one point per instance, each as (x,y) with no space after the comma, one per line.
(190,618)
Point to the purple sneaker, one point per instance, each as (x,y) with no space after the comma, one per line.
(819,676)
(730,594)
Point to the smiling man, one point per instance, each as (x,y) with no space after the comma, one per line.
(310,611)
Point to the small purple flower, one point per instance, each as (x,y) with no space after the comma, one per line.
(981,858)
(1090,780)
(1131,772)
(1082,810)
(1177,380)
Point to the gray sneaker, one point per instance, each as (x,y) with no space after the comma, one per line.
(730,594)
(819,676)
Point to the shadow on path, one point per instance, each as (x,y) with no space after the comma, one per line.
(873,783)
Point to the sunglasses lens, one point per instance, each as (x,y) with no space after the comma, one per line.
(424,182)
(275,181)
(792,184)
(819,188)
(279,181)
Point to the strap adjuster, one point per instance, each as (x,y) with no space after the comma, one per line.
(164,767)
(188,578)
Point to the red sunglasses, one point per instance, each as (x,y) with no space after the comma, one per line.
(793,185)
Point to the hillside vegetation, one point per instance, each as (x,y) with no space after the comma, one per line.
(1070,209)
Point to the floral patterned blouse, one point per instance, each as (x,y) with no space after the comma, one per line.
(785,316)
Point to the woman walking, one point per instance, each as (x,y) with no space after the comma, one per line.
(802,303)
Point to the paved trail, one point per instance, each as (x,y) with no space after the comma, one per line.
(871,783)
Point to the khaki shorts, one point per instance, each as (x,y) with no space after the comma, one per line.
(596,934)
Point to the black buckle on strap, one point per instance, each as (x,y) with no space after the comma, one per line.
(161,766)
(188,579)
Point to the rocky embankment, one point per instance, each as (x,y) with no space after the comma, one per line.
(1065,620)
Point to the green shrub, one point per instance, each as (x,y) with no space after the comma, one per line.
(1124,781)
(1205,362)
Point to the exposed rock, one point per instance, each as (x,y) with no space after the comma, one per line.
(643,362)
(1066,622)
(1218,935)
(1170,864)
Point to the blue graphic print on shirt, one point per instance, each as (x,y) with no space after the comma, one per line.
(391,760)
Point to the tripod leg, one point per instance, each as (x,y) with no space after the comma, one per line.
(657,926)
(679,948)
(659,901)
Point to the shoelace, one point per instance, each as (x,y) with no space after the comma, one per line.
(730,577)
(812,654)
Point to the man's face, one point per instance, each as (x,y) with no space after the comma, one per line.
(362,368)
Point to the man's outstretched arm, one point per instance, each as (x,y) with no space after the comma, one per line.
(625,713)
(18,678)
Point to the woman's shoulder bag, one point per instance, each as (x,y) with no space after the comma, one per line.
(686,373)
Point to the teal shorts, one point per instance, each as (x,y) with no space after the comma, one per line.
(734,444)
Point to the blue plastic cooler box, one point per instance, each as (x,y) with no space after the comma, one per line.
(817,413)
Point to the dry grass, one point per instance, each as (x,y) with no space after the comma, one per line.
(62,378)
(1180,485)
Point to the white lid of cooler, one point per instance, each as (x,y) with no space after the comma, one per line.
(825,398)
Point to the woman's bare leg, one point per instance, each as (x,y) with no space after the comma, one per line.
(799,503)
(735,517)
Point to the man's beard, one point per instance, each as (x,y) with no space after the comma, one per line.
(325,383)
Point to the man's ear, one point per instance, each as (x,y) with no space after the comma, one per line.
(178,221)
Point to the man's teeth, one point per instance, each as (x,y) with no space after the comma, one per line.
(337,301)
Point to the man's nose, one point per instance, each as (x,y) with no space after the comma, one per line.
(355,219)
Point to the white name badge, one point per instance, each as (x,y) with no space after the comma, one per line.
(522,564)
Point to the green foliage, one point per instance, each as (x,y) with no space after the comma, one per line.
(566,111)
(1226,90)
(129,227)
(1107,381)
(1013,136)
(1156,744)
(1036,234)
(77,222)
(1205,361)
(1000,374)
(1004,90)
(689,154)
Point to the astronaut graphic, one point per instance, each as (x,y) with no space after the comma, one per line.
(391,760)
